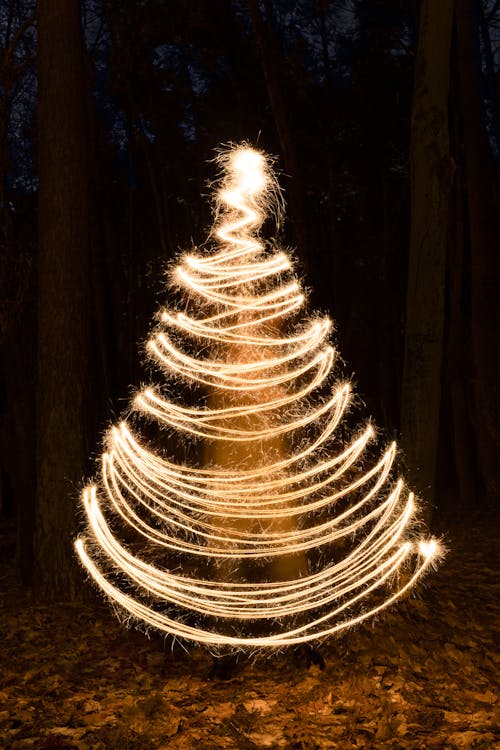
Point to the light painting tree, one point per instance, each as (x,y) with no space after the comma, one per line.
(277,525)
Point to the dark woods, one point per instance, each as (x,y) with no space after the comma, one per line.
(383,114)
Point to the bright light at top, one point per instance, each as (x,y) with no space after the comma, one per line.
(248,167)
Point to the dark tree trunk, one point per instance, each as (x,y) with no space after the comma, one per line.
(482,198)
(17,321)
(274,79)
(63,295)
(17,438)
(457,372)
(431,176)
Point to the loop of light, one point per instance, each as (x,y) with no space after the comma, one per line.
(270,372)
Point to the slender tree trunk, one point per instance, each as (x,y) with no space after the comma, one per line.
(275,85)
(63,297)
(17,440)
(431,176)
(457,373)
(484,235)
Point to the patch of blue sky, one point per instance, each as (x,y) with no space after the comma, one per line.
(326,39)
(186,61)
(404,41)
(95,30)
(188,124)
(12,16)
(22,173)
(97,42)
(491,11)
(20,94)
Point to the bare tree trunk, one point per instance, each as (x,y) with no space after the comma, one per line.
(484,224)
(275,85)
(431,177)
(16,318)
(458,369)
(63,298)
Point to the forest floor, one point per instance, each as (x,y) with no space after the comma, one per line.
(423,676)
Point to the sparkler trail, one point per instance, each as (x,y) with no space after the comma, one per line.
(285,483)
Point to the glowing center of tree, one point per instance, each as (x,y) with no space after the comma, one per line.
(251,519)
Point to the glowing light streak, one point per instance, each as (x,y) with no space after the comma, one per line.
(228,377)
(272,543)
(269,371)
(248,602)
(345,460)
(216,501)
(294,636)
(201,329)
(177,417)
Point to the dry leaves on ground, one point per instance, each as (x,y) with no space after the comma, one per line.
(423,676)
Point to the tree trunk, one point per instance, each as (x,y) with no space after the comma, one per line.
(63,298)
(275,85)
(484,235)
(457,372)
(431,176)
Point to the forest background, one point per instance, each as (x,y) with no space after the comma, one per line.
(384,117)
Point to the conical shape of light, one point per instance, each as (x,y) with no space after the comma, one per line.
(279,524)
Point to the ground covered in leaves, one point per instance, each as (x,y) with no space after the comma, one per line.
(423,676)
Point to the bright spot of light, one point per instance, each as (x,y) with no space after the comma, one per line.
(249,169)
(428,548)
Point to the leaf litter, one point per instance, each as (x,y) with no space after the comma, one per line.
(422,676)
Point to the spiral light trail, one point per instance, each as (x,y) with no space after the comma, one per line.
(271,483)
